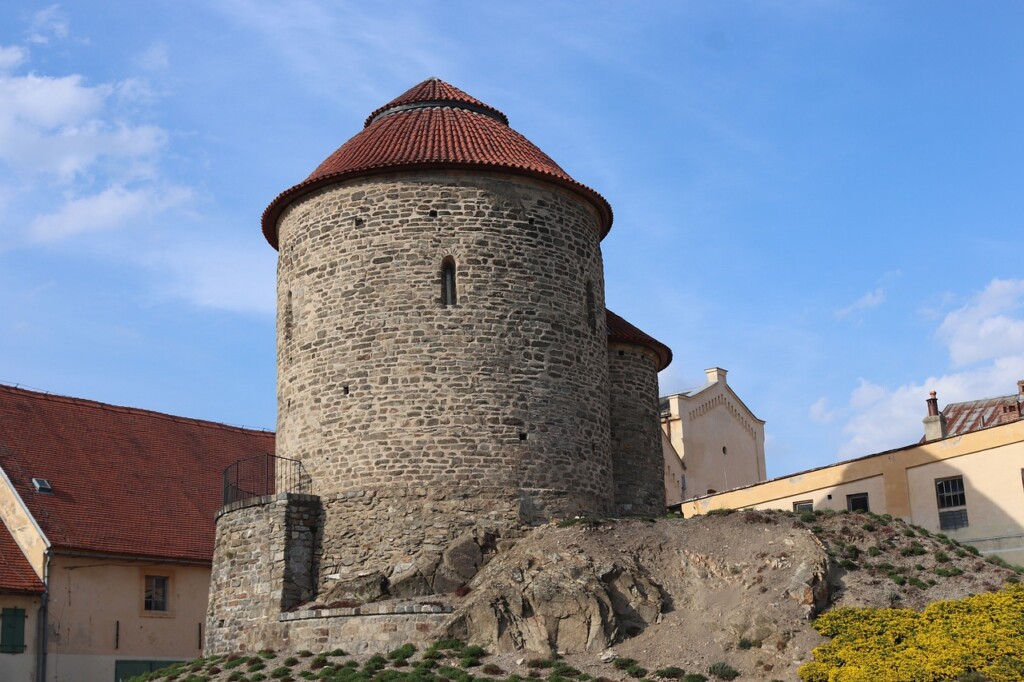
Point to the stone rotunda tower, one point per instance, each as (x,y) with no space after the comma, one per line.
(443,355)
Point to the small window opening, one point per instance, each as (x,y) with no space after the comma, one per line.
(358,222)
(857,502)
(345,389)
(803,506)
(12,631)
(448,291)
(724,451)
(156,598)
(41,485)
(531,221)
(433,214)
(522,436)
(591,307)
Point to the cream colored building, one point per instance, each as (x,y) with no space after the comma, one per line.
(969,486)
(106,539)
(713,442)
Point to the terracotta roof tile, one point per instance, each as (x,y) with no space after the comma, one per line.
(125,481)
(624,332)
(16,574)
(434,126)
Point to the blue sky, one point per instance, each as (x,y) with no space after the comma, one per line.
(824,198)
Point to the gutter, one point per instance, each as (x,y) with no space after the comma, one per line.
(128,557)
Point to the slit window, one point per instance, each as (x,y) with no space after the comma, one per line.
(449,293)
(591,307)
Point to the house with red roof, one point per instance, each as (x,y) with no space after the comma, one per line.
(107,534)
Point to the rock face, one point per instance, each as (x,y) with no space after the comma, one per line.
(585,588)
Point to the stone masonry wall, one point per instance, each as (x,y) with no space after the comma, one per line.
(637,457)
(381,386)
(263,563)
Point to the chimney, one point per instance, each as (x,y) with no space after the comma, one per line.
(935,422)
(1020,388)
(715,374)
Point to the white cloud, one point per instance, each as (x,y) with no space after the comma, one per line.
(110,209)
(48,23)
(984,328)
(820,413)
(872,299)
(985,332)
(59,126)
(11,57)
(154,58)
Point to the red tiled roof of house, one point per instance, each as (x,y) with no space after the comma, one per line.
(434,125)
(973,415)
(624,332)
(16,574)
(125,481)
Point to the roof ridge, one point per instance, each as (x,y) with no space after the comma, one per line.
(142,411)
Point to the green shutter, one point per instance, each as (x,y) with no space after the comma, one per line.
(12,631)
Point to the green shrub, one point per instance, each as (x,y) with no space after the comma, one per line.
(258,677)
(623,663)
(402,653)
(915,549)
(636,671)
(491,669)
(670,673)
(918,583)
(849,565)
(374,664)
(972,549)
(898,579)
(814,529)
(909,532)
(948,572)
(941,557)
(870,527)
(807,517)
(256,664)
(749,643)
(874,551)
(290,661)
(280,673)
(695,677)
(721,512)
(723,671)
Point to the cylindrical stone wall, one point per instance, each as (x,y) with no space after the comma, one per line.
(637,459)
(382,387)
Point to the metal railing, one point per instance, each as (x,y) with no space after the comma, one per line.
(264,475)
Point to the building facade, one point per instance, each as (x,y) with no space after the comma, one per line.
(714,441)
(968,485)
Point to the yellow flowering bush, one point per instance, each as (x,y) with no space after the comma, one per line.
(984,634)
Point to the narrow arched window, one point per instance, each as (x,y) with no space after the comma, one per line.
(449,295)
(288,317)
(591,308)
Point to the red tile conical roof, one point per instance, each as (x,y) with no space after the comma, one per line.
(434,125)
(624,332)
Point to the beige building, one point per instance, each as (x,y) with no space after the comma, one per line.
(106,537)
(968,485)
(712,441)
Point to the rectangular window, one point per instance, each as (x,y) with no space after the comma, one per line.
(157,593)
(857,502)
(952,502)
(12,631)
(803,506)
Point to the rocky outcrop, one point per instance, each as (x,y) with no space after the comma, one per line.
(585,588)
